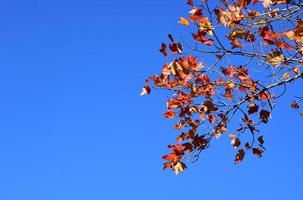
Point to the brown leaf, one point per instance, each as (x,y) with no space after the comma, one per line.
(164,50)
(294,105)
(258,152)
(209,106)
(145,90)
(261,140)
(239,156)
(236,142)
(176,48)
(264,115)
(253,108)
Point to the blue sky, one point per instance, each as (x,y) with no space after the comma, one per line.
(73,126)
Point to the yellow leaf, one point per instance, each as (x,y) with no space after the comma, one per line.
(286,75)
(179,167)
(183,21)
(231,135)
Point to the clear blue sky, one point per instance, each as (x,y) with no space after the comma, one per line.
(73,126)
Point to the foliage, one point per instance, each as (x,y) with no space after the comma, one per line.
(242,57)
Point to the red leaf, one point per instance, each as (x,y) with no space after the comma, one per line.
(200,36)
(176,48)
(171,157)
(170,114)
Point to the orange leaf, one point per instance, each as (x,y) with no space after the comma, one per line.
(183,21)
(170,114)
(285,75)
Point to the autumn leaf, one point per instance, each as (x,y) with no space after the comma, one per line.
(298,32)
(253,108)
(261,140)
(196,14)
(175,48)
(258,152)
(170,114)
(205,25)
(236,44)
(275,58)
(164,50)
(146,89)
(294,105)
(200,36)
(285,75)
(236,142)
(296,70)
(167,165)
(183,21)
(209,106)
(179,167)
(230,75)
(264,115)
(239,156)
